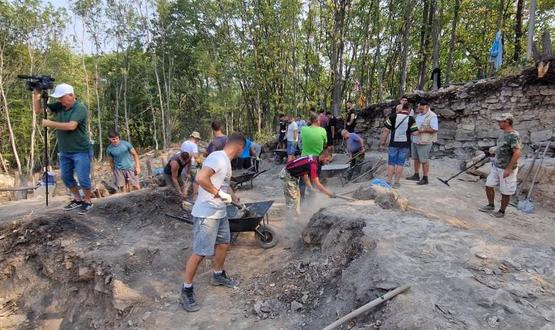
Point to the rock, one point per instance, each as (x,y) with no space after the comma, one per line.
(124,296)
(540,136)
(146,315)
(85,273)
(296,306)
(384,197)
(481,255)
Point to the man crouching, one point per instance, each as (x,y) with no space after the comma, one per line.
(211,234)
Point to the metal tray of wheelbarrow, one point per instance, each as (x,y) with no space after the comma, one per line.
(256,220)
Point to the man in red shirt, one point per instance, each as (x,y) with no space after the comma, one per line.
(306,169)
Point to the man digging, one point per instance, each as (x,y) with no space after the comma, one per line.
(504,169)
(211,234)
(306,169)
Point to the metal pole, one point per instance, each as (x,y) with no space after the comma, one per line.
(44,100)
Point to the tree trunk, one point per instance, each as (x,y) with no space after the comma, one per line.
(518,31)
(427,19)
(125,105)
(31,163)
(337,53)
(531,29)
(404,49)
(163,119)
(98,111)
(452,40)
(4,99)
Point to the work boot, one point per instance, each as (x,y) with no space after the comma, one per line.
(188,300)
(414,177)
(423,181)
(487,208)
(73,205)
(498,214)
(223,279)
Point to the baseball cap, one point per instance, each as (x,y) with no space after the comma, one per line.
(505,116)
(195,135)
(61,90)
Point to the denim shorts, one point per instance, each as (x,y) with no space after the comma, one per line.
(397,156)
(291,148)
(80,162)
(207,232)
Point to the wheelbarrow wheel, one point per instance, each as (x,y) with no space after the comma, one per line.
(269,237)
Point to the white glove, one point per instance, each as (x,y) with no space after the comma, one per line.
(225,197)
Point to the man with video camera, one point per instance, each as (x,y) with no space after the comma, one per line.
(73,142)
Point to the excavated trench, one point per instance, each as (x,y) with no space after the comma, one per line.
(67,271)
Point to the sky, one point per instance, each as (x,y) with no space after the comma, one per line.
(74,29)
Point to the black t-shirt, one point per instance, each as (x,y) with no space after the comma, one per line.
(391,124)
(282,127)
(351,115)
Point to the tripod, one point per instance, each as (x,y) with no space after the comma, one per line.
(45,175)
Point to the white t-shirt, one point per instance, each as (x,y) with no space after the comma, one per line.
(291,132)
(191,148)
(206,205)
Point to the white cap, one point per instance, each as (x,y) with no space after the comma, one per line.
(61,90)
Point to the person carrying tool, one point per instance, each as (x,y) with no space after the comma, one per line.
(422,142)
(504,169)
(399,127)
(173,171)
(124,161)
(190,146)
(306,169)
(356,150)
(211,234)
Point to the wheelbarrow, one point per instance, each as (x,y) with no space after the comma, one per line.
(280,155)
(253,218)
(238,178)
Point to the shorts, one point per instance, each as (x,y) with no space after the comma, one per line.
(78,162)
(507,186)
(421,152)
(207,233)
(291,148)
(397,156)
(121,177)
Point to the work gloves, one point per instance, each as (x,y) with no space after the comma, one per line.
(225,197)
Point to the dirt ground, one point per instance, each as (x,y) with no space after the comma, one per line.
(120,266)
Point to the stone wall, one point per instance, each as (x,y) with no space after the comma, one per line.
(467,112)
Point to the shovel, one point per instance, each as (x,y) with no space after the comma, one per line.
(527,205)
(243,211)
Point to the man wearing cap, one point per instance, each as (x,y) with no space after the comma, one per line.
(73,143)
(504,169)
(190,146)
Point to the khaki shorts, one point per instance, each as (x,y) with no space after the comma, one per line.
(125,176)
(507,186)
(421,152)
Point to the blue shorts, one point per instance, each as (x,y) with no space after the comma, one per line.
(397,156)
(78,162)
(291,148)
(207,232)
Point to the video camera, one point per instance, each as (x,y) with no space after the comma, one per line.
(42,83)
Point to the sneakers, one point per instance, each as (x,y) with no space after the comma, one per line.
(498,214)
(73,205)
(223,279)
(414,177)
(188,300)
(487,208)
(85,207)
(422,182)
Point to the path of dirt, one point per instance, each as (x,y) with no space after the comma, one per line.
(120,266)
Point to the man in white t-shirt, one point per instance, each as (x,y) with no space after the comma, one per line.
(292,138)
(190,146)
(211,234)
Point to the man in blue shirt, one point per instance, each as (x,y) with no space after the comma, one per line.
(124,161)
(355,147)
(244,159)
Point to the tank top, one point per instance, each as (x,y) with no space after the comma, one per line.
(177,158)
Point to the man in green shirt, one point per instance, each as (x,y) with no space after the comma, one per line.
(504,169)
(314,138)
(73,142)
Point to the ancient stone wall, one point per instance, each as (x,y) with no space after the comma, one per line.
(467,112)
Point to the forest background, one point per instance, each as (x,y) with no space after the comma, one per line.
(156,69)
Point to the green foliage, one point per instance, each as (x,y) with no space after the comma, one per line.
(163,68)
